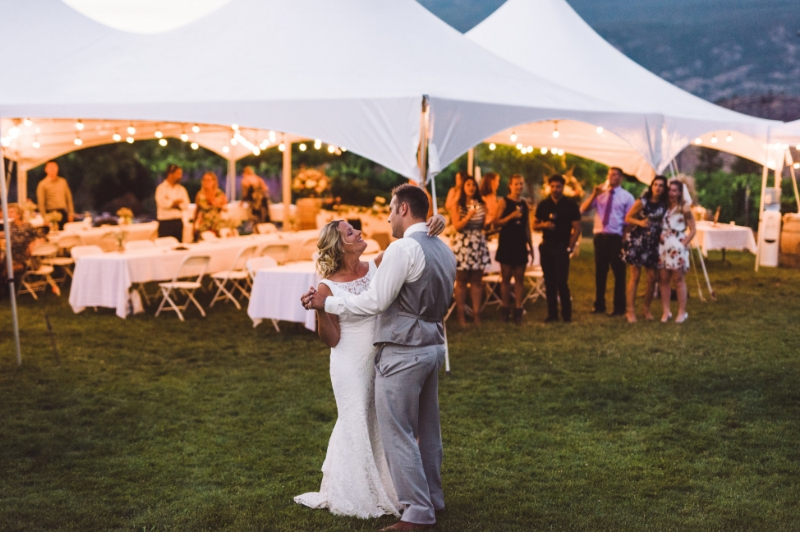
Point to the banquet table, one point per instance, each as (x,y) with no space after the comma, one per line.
(94,236)
(105,280)
(276,294)
(723,237)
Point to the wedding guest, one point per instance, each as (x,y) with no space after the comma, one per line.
(673,249)
(256,193)
(454,193)
(468,217)
(515,247)
(171,200)
(640,244)
(559,220)
(210,202)
(54,195)
(489,185)
(611,203)
(23,237)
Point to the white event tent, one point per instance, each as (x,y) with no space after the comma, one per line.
(548,38)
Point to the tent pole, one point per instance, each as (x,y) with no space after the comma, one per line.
(9,260)
(794,180)
(231,180)
(764,175)
(287,183)
(471,162)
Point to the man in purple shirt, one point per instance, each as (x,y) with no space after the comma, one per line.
(611,203)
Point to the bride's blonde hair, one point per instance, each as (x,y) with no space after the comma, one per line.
(330,247)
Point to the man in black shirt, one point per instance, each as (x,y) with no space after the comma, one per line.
(559,220)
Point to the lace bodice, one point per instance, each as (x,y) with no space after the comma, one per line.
(348,320)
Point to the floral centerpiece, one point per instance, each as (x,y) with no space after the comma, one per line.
(310,183)
(53,218)
(125,216)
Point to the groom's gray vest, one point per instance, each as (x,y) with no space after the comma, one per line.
(415,317)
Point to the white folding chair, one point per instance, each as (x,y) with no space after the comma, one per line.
(254,265)
(166,242)
(535,275)
(279,252)
(237,275)
(307,249)
(38,279)
(64,261)
(491,282)
(373,247)
(209,236)
(266,227)
(139,245)
(188,278)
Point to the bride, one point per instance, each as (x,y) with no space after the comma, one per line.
(355,476)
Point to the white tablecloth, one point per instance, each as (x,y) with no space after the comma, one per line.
(135,232)
(711,237)
(276,294)
(105,280)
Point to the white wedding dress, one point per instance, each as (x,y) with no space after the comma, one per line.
(355,476)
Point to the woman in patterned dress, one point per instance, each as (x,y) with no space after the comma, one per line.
(640,245)
(210,202)
(468,216)
(673,249)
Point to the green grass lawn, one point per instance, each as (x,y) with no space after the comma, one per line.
(213,425)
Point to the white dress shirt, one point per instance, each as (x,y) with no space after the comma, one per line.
(403,262)
(166,196)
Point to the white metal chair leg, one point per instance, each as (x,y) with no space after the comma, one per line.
(190,295)
(446,351)
(711,292)
(275,323)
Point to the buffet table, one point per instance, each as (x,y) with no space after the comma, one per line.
(724,237)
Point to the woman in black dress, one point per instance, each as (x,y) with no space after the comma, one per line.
(515,248)
(640,244)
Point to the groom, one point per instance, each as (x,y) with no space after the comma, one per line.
(410,292)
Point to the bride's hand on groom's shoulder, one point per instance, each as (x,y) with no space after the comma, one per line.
(436,225)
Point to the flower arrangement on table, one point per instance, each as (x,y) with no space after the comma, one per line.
(53,218)
(310,183)
(125,216)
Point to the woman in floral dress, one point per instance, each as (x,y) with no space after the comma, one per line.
(210,202)
(673,250)
(468,216)
(640,244)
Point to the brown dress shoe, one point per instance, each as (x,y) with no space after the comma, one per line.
(409,526)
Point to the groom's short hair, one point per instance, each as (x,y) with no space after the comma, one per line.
(414,197)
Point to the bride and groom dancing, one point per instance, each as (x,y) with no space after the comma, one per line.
(384,323)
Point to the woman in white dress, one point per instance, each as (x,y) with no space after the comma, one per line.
(355,475)
(673,249)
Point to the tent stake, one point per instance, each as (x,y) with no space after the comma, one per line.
(9,260)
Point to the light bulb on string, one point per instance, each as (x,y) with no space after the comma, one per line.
(561,152)
(129,140)
(331,148)
(234,141)
(194,146)
(729,138)
(234,127)
(698,141)
(600,129)
(342,149)
(714,139)
(117,137)
(264,144)
(196,128)
(27,122)
(519,146)
(282,147)
(79,125)
(796,165)
(131,130)
(184,137)
(272,136)
(302,147)
(225,149)
(162,142)
(544,151)
(36,143)
(492,146)
(556,133)
(317,144)
(78,141)
(5,141)
(513,137)
(256,151)
(158,134)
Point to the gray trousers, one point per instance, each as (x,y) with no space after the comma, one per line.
(407,404)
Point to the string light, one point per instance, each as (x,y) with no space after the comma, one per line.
(159,134)
(131,130)
(331,148)
(544,150)
(698,141)
(599,129)
(343,149)
(235,127)
(303,147)
(264,144)
(234,142)
(129,140)
(272,136)
(714,139)
(78,141)
(556,133)
(79,125)
(184,137)
(513,137)
(492,146)
(162,142)
(282,147)
(27,122)
(5,141)
(36,143)
(256,151)
(194,146)
(117,137)
(561,152)
(196,128)
(796,165)
(729,138)
(317,144)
